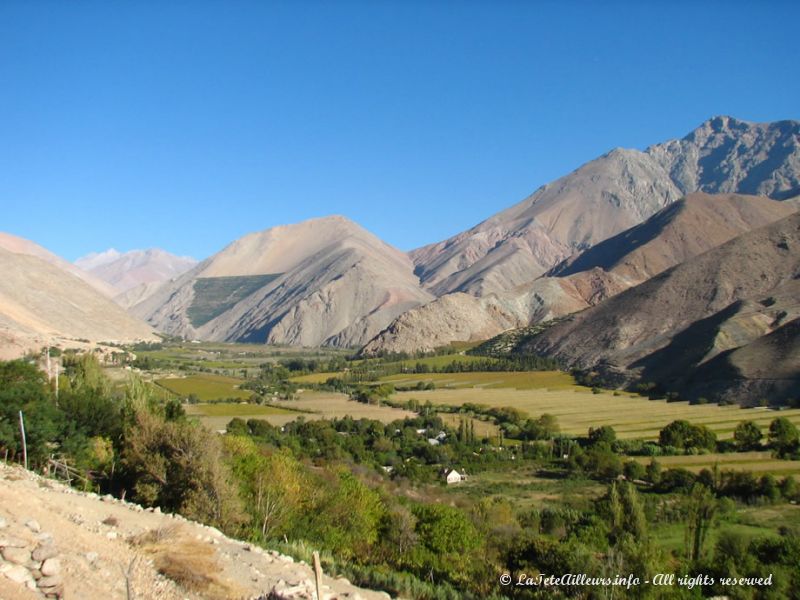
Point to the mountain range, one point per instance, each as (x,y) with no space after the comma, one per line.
(587,247)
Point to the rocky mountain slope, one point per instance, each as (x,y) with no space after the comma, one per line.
(736,303)
(18,245)
(42,304)
(63,543)
(678,232)
(321,282)
(128,270)
(609,195)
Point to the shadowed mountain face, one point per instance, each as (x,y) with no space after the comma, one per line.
(609,195)
(680,231)
(321,282)
(670,328)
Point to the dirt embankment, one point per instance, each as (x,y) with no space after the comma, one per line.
(60,543)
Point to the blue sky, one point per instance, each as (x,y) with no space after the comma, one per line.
(185,125)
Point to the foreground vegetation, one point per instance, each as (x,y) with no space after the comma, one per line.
(547,492)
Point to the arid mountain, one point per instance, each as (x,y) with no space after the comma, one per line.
(722,301)
(18,245)
(609,195)
(125,271)
(683,229)
(321,282)
(42,304)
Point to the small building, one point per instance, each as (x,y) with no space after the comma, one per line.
(433,441)
(452,476)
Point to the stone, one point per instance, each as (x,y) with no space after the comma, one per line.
(31,585)
(18,574)
(49,582)
(33,525)
(17,556)
(3,523)
(52,566)
(12,542)
(44,551)
(36,573)
(91,557)
(112,535)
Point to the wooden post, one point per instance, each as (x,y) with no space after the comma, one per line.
(24,443)
(318,575)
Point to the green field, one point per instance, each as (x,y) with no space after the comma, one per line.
(217,416)
(205,386)
(521,380)
(577,408)
(756,462)
(214,295)
(308,405)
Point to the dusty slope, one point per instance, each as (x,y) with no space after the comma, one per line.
(333,283)
(662,329)
(40,303)
(682,230)
(128,270)
(678,232)
(18,245)
(609,195)
(96,543)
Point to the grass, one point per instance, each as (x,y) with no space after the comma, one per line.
(192,565)
(520,380)
(309,405)
(205,386)
(482,428)
(577,408)
(756,462)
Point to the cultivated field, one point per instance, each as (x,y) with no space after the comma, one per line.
(217,416)
(577,408)
(756,462)
(205,386)
(309,405)
(523,380)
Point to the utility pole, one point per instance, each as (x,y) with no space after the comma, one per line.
(24,443)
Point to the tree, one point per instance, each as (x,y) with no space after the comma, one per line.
(783,435)
(747,435)
(604,434)
(700,508)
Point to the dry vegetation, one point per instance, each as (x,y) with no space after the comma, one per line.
(179,557)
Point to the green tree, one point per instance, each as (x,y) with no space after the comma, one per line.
(783,435)
(747,435)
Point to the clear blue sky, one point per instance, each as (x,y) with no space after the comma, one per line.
(185,125)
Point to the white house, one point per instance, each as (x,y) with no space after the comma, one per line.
(454,476)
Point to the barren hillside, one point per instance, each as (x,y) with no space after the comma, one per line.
(55,540)
(321,282)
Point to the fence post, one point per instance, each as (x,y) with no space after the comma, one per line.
(318,575)
(24,443)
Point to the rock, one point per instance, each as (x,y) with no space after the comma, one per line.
(50,582)
(52,566)
(91,557)
(31,585)
(3,523)
(18,574)
(36,573)
(33,525)
(44,551)
(112,535)
(45,538)
(12,542)
(17,556)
